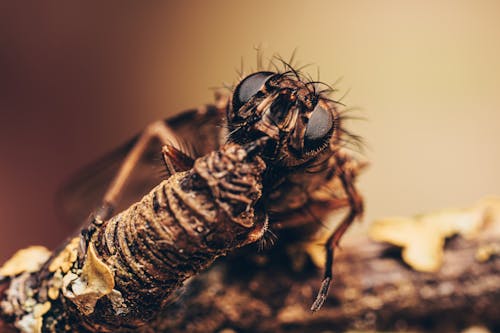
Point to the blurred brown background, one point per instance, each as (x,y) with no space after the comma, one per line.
(78,79)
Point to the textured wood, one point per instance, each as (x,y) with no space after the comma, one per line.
(373,290)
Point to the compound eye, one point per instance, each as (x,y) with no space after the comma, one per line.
(319,128)
(248,87)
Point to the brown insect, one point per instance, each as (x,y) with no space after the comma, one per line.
(285,120)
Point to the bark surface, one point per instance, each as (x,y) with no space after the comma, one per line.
(373,290)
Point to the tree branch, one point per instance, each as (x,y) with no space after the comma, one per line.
(373,290)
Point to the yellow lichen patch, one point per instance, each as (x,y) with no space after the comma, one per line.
(32,322)
(485,252)
(55,285)
(66,258)
(422,244)
(53,293)
(466,222)
(40,309)
(422,237)
(316,252)
(95,281)
(492,207)
(25,260)
(29,324)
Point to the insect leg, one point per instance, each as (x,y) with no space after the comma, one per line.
(356,209)
(175,160)
(157,130)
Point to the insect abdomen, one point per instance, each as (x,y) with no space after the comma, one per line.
(180,227)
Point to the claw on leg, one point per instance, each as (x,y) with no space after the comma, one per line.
(322,293)
(175,160)
(356,204)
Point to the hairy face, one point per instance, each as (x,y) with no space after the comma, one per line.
(288,108)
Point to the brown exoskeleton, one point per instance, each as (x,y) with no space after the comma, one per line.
(304,154)
(305,126)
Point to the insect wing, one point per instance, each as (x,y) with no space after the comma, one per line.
(200,129)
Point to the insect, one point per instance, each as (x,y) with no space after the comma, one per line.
(304,157)
(306,127)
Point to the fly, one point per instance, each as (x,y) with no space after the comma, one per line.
(304,156)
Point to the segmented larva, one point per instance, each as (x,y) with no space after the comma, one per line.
(182,226)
